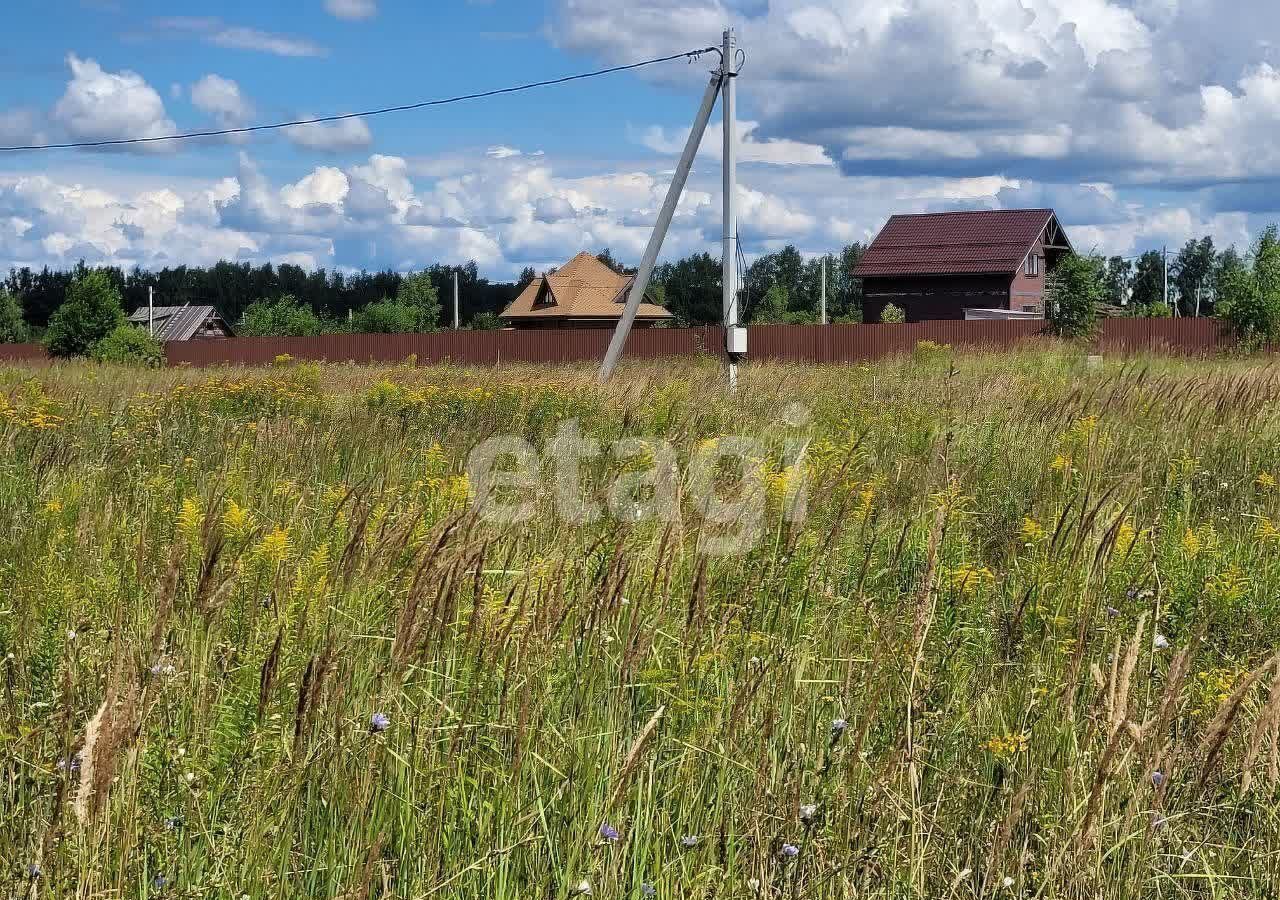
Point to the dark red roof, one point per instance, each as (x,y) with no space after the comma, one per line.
(983,242)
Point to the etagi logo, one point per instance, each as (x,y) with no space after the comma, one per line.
(724,484)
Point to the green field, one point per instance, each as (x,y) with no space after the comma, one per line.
(1006,627)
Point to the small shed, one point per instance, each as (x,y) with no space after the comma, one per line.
(183,323)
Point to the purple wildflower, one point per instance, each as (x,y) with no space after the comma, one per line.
(808,812)
(159,882)
(648,890)
(789,851)
(379,722)
(838,727)
(33,871)
(688,841)
(1157,778)
(608,832)
(1112,611)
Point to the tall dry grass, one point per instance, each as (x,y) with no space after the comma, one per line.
(257,642)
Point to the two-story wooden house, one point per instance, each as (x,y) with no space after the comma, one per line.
(958,265)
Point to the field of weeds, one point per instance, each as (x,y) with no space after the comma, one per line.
(970,626)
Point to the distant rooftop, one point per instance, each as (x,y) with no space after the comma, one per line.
(978,242)
(180,323)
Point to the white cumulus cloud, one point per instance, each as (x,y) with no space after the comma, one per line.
(341,136)
(101,105)
(352,9)
(222,98)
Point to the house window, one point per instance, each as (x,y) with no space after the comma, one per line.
(1033,266)
(1031,309)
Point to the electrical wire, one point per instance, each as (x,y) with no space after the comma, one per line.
(690,55)
(742,277)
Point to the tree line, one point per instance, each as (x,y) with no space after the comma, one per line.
(1198,275)
(1241,290)
(779,287)
(288,300)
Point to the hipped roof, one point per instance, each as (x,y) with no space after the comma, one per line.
(584,288)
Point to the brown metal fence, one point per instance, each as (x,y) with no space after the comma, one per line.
(780,343)
(23,353)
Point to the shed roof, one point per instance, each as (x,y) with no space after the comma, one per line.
(978,242)
(584,288)
(177,323)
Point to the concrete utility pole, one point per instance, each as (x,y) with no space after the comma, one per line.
(823,305)
(1164,253)
(151,310)
(455,299)
(735,337)
(645,272)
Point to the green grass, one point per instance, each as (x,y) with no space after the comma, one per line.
(992,545)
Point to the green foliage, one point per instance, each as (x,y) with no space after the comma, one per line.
(1073,291)
(13,330)
(1116,281)
(388,317)
(691,289)
(283,317)
(486,322)
(1191,274)
(1148,280)
(773,308)
(893,314)
(1153,311)
(419,292)
(1250,298)
(129,345)
(91,312)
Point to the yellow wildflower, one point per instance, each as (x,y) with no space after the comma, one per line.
(1200,540)
(237,520)
(1267,532)
(1229,586)
(968,579)
(1266,481)
(189,517)
(1126,536)
(1007,745)
(1031,532)
(275,547)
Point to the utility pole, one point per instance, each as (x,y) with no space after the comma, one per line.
(668,210)
(455,299)
(823,304)
(1199,288)
(1164,253)
(735,337)
(151,310)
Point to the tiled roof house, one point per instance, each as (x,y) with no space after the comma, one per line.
(583,293)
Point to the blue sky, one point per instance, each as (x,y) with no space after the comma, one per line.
(1143,122)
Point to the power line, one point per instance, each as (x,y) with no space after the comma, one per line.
(690,55)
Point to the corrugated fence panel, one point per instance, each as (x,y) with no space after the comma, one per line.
(23,353)
(1184,336)
(781,343)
